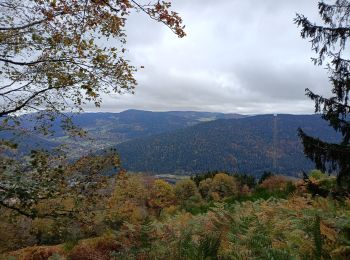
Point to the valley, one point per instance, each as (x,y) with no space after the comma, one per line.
(185,143)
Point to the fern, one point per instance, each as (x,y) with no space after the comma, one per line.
(209,246)
(206,248)
(145,234)
(317,236)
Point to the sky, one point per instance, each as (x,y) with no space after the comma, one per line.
(242,56)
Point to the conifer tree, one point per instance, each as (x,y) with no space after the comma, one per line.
(329,41)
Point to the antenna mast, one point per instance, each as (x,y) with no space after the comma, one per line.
(274,134)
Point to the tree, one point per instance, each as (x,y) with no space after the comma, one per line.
(161,196)
(223,186)
(56,55)
(185,189)
(329,42)
(265,176)
(218,188)
(128,201)
(200,177)
(187,194)
(204,187)
(245,180)
(47,186)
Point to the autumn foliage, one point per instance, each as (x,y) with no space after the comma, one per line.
(148,218)
(276,182)
(58,55)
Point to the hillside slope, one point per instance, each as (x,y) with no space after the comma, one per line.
(108,129)
(243,145)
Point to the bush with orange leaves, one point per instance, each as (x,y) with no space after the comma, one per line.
(35,253)
(275,183)
(95,248)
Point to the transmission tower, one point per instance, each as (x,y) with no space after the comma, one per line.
(274,141)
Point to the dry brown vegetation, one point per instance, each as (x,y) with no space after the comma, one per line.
(148,218)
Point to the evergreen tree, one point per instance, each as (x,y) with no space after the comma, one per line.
(329,42)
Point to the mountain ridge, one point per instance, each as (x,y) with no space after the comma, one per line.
(242,145)
(107,128)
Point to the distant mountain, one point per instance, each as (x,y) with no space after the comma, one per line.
(247,145)
(109,129)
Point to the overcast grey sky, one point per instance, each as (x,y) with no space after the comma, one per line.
(242,56)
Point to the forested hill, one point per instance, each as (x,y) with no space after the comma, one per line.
(108,129)
(130,123)
(245,145)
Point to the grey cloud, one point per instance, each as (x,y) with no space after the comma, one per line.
(281,82)
(239,56)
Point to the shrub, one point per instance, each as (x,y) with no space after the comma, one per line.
(202,176)
(204,187)
(317,174)
(128,201)
(85,252)
(245,180)
(35,253)
(101,248)
(218,188)
(223,186)
(275,183)
(161,196)
(185,189)
(323,180)
(265,176)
